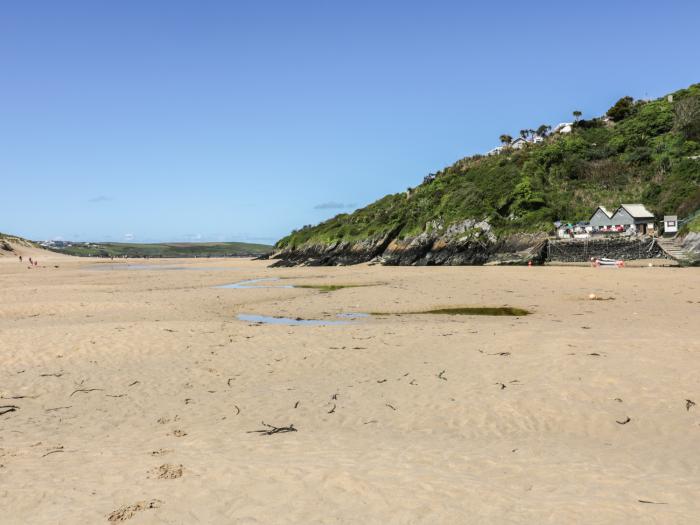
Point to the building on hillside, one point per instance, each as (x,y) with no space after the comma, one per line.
(518,143)
(495,151)
(628,215)
(564,127)
(670,224)
(601,218)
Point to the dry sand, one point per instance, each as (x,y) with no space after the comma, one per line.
(136,391)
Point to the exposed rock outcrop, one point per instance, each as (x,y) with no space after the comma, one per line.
(469,242)
(691,244)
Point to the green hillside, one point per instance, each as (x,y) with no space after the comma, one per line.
(645,151)
(176,249)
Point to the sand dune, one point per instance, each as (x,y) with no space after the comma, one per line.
(137,393)
(12,247)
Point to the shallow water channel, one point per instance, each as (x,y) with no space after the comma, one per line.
(252,283)
(288,321)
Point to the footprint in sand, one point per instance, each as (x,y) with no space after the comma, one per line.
(160,452)
(166,471)
(129,511)
(178,433)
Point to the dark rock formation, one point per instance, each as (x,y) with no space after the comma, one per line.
(466,243)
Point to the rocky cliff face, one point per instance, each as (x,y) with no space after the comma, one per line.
(469,242)
(691,244)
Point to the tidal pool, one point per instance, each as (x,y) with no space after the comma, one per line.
(251,283)
(351,318)
(467,310)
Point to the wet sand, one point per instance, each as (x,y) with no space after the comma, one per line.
(137,394)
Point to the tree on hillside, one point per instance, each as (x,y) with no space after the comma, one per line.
(621,109)
(543,130)
(687,117)
(506,139)
(524,133)
(577,115)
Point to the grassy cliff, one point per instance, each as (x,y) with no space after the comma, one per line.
(645,151)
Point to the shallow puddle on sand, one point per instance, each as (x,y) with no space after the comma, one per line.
(467,310)
(350,318)
(251,283)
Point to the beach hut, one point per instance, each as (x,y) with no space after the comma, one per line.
(670,224)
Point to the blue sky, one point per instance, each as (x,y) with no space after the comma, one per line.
(233,120)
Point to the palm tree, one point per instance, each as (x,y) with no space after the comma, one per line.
(543,130)
(506,139)
(524,133)
(577,115)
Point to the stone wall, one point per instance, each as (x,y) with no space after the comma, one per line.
(581,250)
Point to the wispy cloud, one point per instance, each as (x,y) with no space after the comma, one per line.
(100,198)
(193,237)
(128,236)
(331,205)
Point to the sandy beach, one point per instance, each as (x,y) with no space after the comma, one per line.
(133,395)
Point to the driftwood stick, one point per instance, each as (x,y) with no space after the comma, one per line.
(4,409)
(271,429)
(86,390)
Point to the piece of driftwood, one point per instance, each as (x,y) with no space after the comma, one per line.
(689,404)
(86,390)
(441,375)
(4,409)
(271,430)
(53,452)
